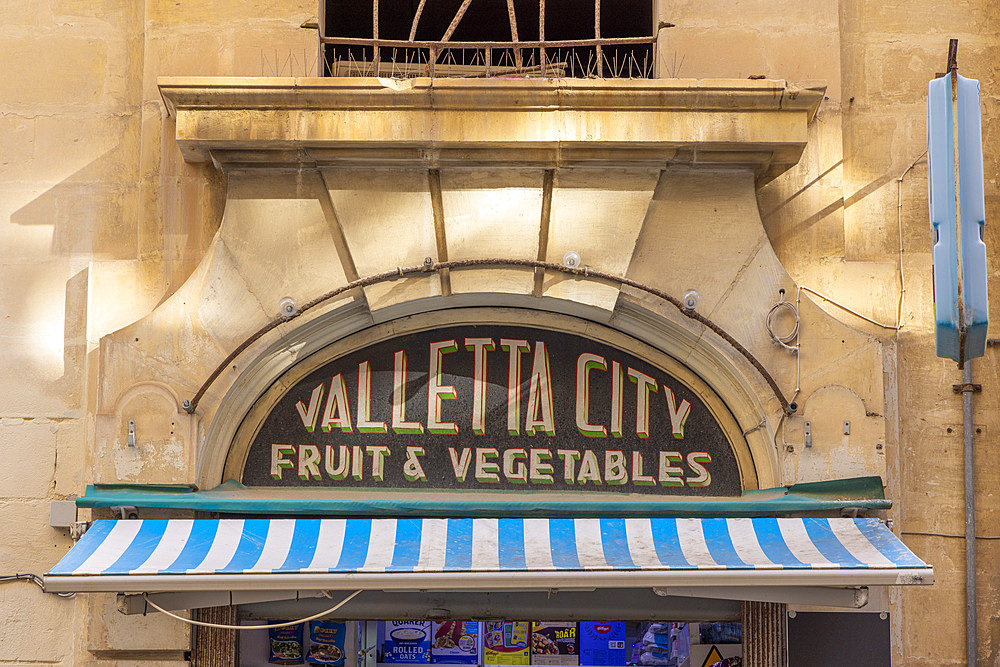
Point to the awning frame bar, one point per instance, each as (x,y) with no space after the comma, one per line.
(848,598)
(489,581)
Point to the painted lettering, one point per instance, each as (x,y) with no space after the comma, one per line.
(590,470)
(644,385)
(357,463)
(514,468)
(460,462)
(540,472)
(278,462)
(540,395)
(637,477)
(615,471)
(479,347)
(617,401)
(695,461)
(338,411)
(309,462)
(399,423)
(378,454)
(515,348)
(585,363)
(339,471)
(412,470)
(569,458)
(310,414)
(437,392)
(487,473)
(678,413)
(365,422)
(669,474)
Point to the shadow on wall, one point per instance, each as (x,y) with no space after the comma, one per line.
(92,211)
(773,217)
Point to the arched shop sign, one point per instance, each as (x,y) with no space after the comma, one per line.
(489,406)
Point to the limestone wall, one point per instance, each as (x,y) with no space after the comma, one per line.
(833,223)
(99,220)
(102,221)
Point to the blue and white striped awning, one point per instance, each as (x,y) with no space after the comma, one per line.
(482,554)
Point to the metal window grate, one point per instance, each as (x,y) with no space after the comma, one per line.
(398,39)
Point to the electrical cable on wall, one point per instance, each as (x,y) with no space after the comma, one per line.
(902,282)
(27,576)
(220,626)
(783,341)
(782,304)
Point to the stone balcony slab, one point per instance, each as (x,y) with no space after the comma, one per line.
(759,125)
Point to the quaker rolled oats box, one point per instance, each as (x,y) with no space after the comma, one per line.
(406,642)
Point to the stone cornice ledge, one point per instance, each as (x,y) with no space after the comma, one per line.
(285,122)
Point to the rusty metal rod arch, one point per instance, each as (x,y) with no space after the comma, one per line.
(431,267)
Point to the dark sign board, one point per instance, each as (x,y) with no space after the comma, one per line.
(493,407)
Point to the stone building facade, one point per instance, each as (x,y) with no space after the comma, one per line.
(139,248)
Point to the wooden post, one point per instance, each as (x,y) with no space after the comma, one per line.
(214,647)
(765,634)
(543,229)
(440,237)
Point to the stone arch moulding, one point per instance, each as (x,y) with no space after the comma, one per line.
(740,401)
(143,419)
(161,389)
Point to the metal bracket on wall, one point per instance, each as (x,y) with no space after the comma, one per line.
(125,511)
(973,387)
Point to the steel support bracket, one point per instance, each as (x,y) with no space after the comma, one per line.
(973,387)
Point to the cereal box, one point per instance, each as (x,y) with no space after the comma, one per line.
(455,643)
(405,642)
(554,644)
(602,644)
(506,643)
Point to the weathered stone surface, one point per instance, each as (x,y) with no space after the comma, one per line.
(34,627)
(492,214)
(108,630)
(597,215)
(387,222)
(83,83)
(32,444)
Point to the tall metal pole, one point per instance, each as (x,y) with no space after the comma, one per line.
(968,450)
(971,645)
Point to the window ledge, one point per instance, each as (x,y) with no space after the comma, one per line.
(759,125)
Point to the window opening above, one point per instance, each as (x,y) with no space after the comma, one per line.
(488,38)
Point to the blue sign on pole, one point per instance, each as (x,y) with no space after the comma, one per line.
(957,216)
